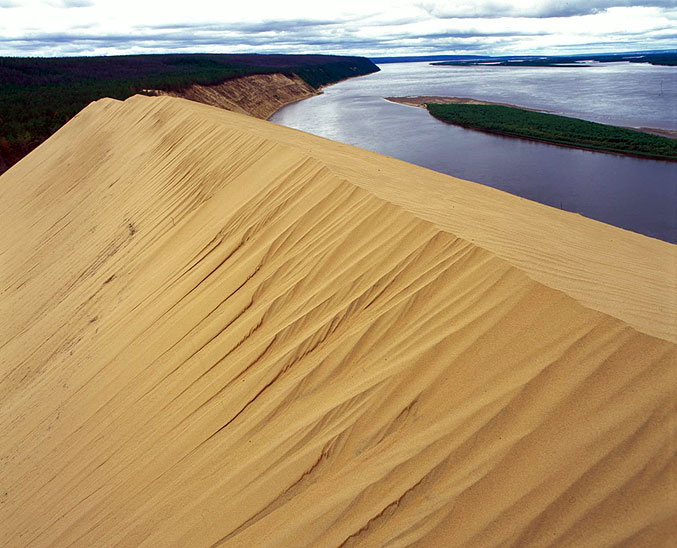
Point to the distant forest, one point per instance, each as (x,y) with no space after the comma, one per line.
(39,95)
(668,58)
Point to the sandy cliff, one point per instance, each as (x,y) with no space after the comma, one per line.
(259,95)
(219,332)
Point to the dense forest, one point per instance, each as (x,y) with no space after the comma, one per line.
(39,95)
(555,129)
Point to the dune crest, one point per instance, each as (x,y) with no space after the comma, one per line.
(215,331)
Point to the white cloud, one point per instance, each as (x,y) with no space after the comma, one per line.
(531,8)
(377,27)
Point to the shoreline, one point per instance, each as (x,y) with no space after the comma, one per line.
(257,95)
(319,92)
(421,101)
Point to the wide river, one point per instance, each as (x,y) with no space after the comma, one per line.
(635,194)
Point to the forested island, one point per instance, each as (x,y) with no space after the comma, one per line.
(514,121)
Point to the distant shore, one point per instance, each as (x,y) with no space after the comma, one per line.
(423,100)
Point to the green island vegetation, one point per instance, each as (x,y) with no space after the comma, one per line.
(39,95)
(555,129)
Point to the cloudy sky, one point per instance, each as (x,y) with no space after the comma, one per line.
(361,27)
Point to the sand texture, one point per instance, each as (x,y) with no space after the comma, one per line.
(219,332)
(259,95)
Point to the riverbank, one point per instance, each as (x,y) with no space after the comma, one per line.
(258,95)
(513,121)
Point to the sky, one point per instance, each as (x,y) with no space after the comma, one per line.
(352,27)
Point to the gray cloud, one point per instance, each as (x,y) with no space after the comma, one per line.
(309,41)
(264,25)
(70,3)
(476,33)
(293,38)
(251,28)
(487,9)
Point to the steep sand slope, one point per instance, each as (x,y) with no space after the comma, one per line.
(219,332)
(259,95)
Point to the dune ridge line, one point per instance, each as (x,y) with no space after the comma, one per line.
(216,331)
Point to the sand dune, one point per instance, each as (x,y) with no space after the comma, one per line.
(219,332)
(260,95)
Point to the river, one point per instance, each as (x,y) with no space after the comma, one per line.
(632,193)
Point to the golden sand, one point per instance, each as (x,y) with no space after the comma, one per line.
(218,332)
(259,95)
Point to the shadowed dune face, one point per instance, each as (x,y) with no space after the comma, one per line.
(218,332)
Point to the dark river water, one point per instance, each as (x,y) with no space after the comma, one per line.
(635,194)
